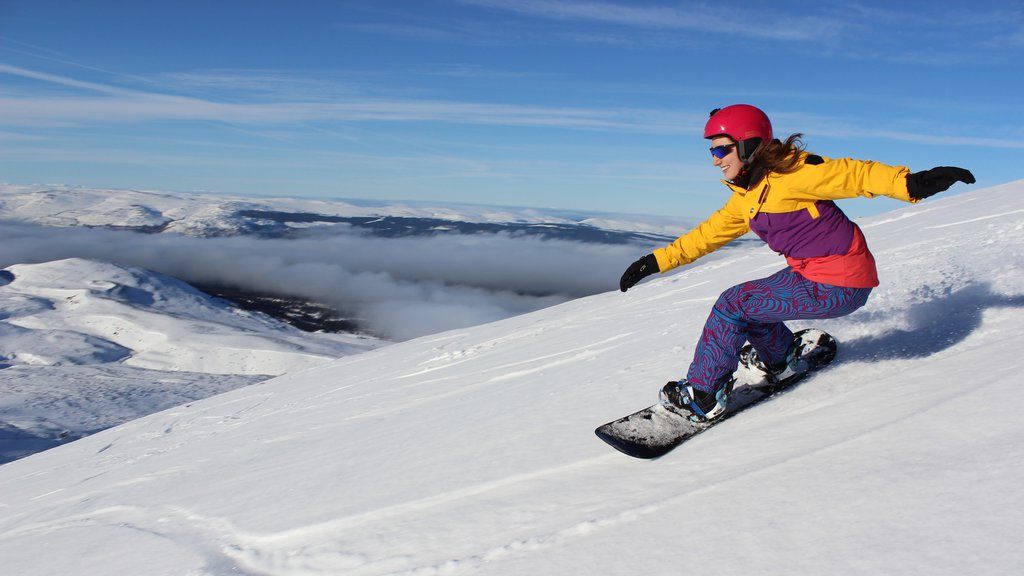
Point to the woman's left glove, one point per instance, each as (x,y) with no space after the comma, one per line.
(637,271)
(921,185)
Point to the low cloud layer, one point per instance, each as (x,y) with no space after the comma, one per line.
(402,287)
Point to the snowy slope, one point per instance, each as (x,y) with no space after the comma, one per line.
(98,312)
(472,451)
(86,345)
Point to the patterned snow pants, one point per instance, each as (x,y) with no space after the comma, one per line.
(754,312)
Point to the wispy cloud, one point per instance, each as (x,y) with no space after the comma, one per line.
(847,128)
(943,35)
(15,137)
(118,105)
(64,111)
(88,104)
(689,17)
(937,139)
(60,80)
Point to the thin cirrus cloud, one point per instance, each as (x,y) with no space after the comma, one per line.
(118,105)
(114,105)
(698,18)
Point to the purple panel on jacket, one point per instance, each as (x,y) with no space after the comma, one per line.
(797,235)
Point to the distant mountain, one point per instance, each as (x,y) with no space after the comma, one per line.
(218,216)
(335,225)
(272,223)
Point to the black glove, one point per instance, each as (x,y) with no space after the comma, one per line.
(637,271)
(921,185)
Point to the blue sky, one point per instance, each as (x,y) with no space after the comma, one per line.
(583,105)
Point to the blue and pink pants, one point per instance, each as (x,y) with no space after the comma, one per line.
(754,311)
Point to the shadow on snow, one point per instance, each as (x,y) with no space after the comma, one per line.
(937,325)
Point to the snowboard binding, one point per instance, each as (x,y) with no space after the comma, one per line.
(697,405)
(810,350)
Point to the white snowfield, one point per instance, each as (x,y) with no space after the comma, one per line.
(86,345)
(472,452)
(146,320)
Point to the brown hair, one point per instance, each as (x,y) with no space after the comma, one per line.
(778,157)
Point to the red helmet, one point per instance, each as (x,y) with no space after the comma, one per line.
(739,122)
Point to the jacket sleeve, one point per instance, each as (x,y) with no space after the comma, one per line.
(848,178)
(722,227)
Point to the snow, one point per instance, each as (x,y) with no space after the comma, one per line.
(472,451)
(146,320)
(88,345)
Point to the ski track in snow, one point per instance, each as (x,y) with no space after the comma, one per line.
(316,549)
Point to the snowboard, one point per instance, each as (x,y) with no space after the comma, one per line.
(657,430)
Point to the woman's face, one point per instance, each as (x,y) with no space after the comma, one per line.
(730,163)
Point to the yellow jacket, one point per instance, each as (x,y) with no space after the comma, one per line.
(795,215)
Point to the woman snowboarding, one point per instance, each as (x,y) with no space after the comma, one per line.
(785,196)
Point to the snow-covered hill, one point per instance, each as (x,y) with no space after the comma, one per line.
(472,451)
(95,312)
(87,345)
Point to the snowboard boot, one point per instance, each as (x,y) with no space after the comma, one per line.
(697,405)
(810,350)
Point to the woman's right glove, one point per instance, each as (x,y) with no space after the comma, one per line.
(637,271)
(921,185)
